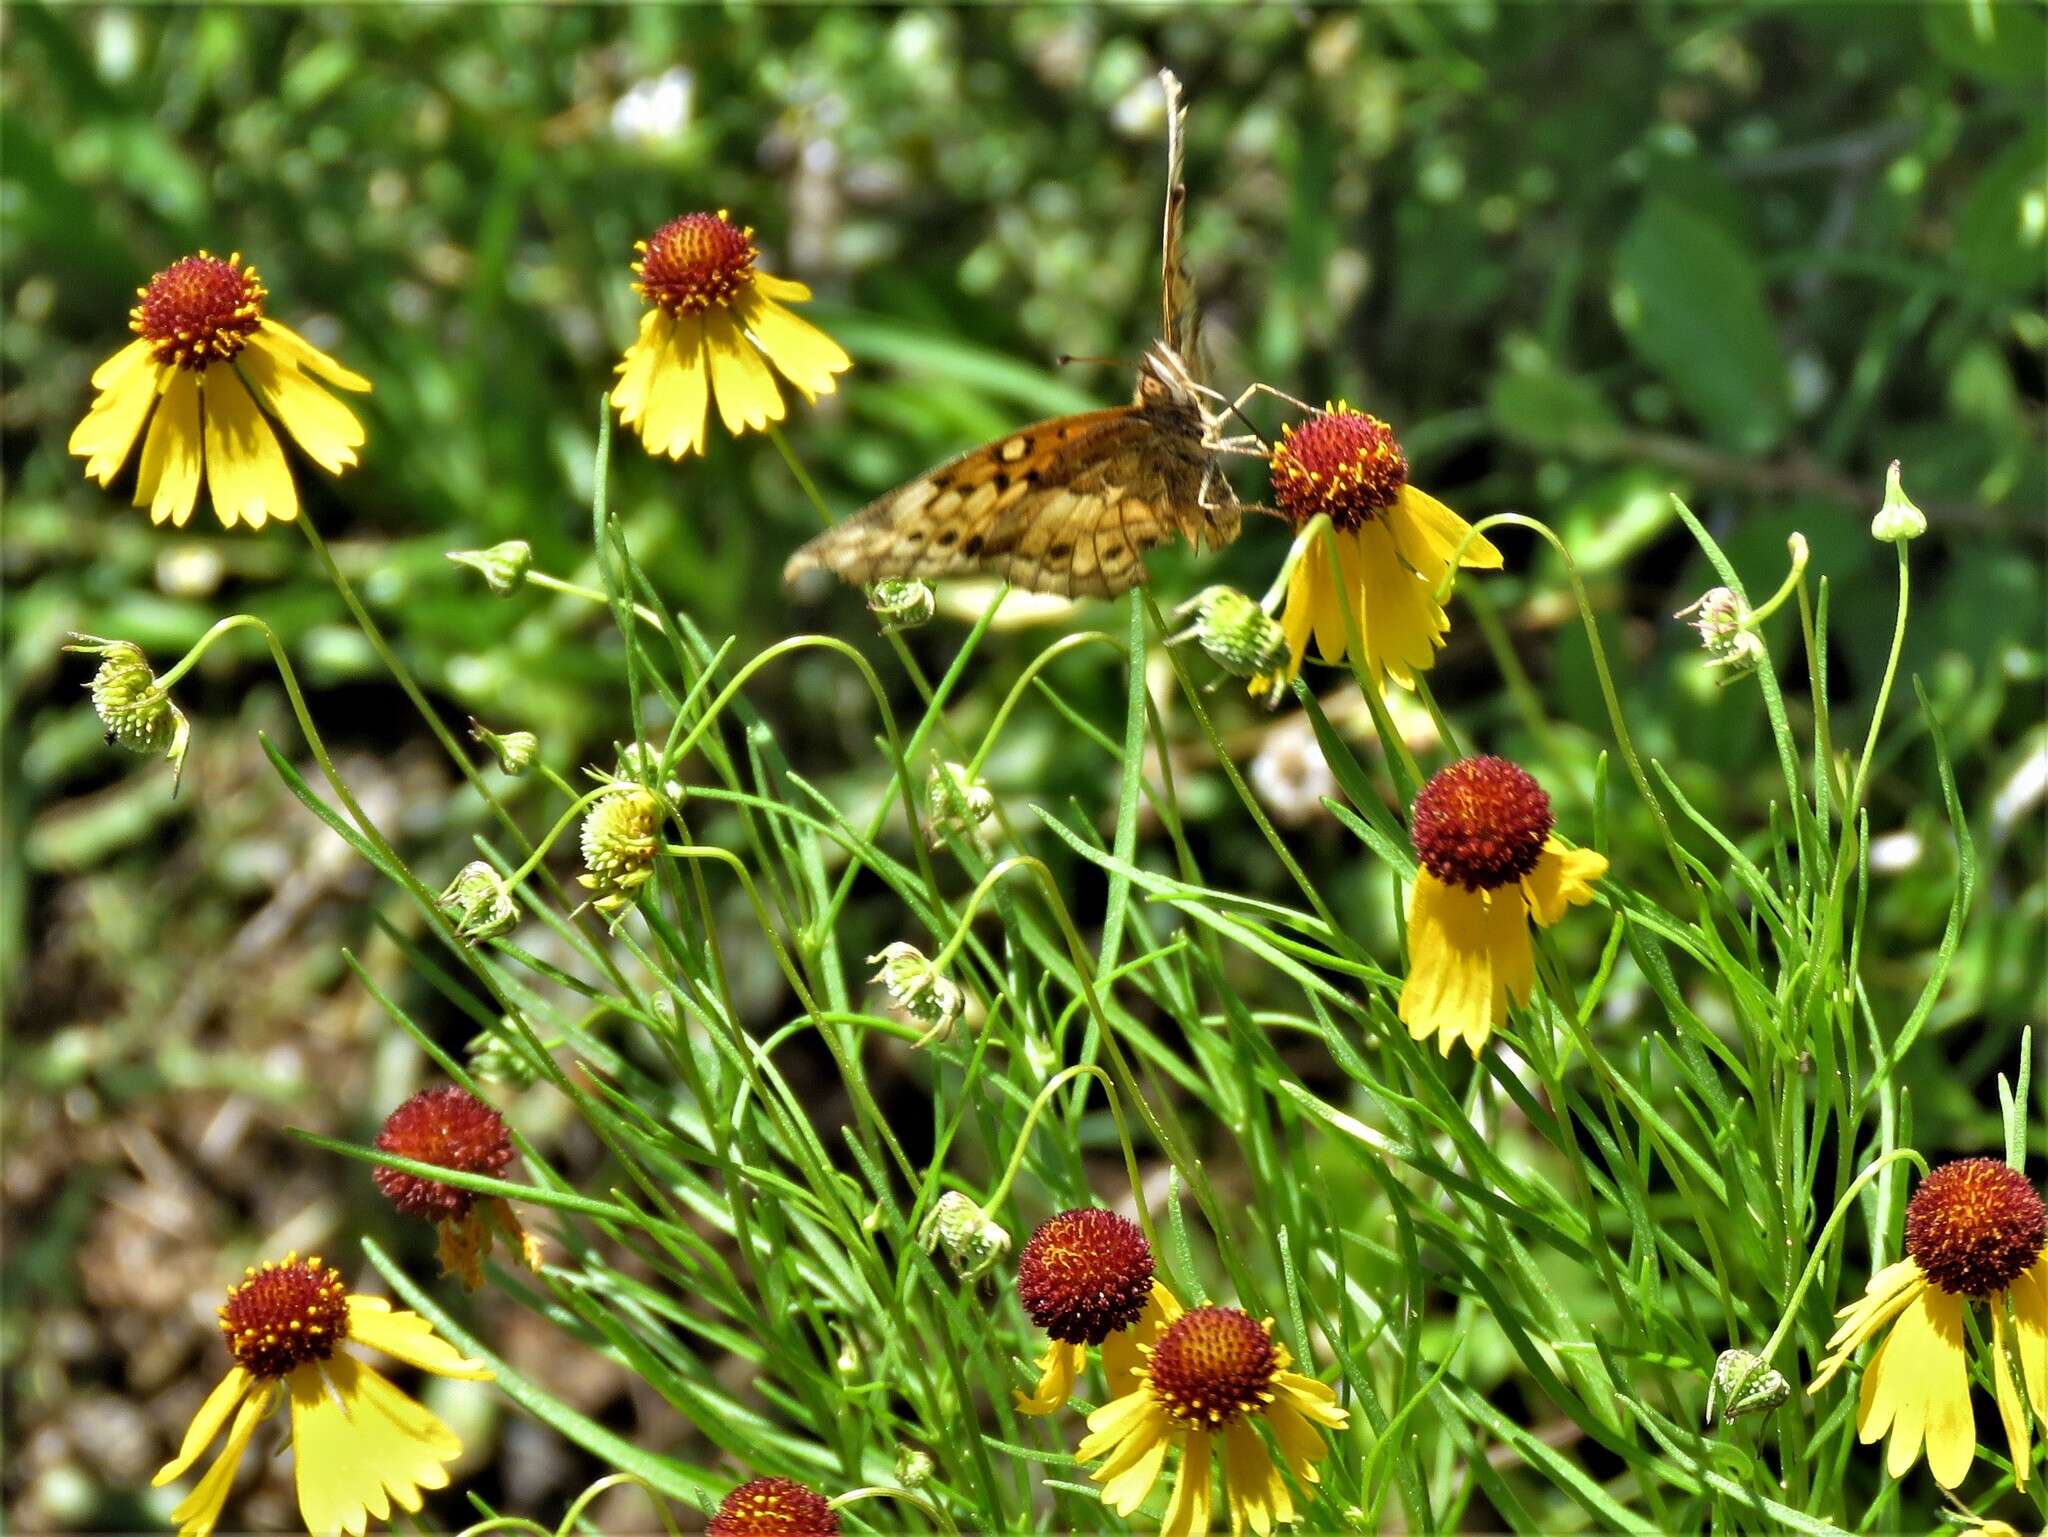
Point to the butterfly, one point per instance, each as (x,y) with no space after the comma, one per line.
(1069,506)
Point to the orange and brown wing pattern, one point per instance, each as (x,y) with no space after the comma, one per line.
(1067,506)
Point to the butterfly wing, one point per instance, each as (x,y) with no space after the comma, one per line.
(1179,321)
(1067,506)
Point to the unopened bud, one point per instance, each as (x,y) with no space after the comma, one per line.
(1898,519)
(493,1059)
(918,988)
(479,902)
(958,803)
(515,750)
(137,714)
(901,604)
(972,1241)
(503,566)
(914,1467)
(1744,1383)
(1239,636)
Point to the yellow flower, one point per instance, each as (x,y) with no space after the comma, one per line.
(359,1444)
(1489,865)
(1974,1229)
(202,343)
(1203,1377)
(713,324)
(1085,1277)
(1394,544)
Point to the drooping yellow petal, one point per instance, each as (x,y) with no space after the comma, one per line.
(1891,1289)
(1328,600)
(1294,624)
(206,1424)
(359,1443)
(740,382)
(325,428)
(1403,625)
(1118,1418)
(199,1512)
(636,368)
(174,453)
(2012,1407)
(244,461)
(1440,531)
(2030,1311)
(1467,951)
(806,356)
(1133,1468)
(679,392)
(130,356)
(1057,1369)
(1253,1489)
(1917,1387)
(1300,1442)
(788,290)
(1563,878)
(1121,1358)
(1315,1400)
(1187,1513)
(372,1321)
(304,355)
(106,436)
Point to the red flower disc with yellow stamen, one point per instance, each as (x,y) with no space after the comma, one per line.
(773,1507)
(1084,1275)
(695,262)
(285,1315)
(1343,463)
(1213,1365)
(449,1127)
(1481,823)
(199,310)
(1975,1226)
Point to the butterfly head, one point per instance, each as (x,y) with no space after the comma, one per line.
(1165,379)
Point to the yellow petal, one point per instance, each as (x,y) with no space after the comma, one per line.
(372,1321)
(2030,1308)
(325,428)
(206,1424)
(1316,1400)
(1403,625)
(304,355)
(2012,1408)
(359,1444)
(1441,530)
(636,369)
(116,366)
(1327,600)
(110,428)
(1563,877)
(1133,1468)
(807,357)
(678,392)
(1889,1290)
(1300,1442)
(1121,1358)
(1252,1487)
(1115,1420)
(174,453)
(740,381)
(1466,954)
(244,461)
(199,1511)
(1057,1369)
(1187,1513)
(789,290)
(1917,1387)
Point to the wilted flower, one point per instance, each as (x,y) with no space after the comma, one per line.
(503,566)
(360,1444)
(901,604)
(1723,621)
(1239,636)
(479,902)
(202,342)
(959,804)
(515,750)
(919,988)
(137,714)
(621,835)
(1898,519)
(1085,1277)
(973,1241)
(1394,545)
(713,325)
(773,1507)
(451,1128)
(914,1467)
(1482,829)
(1744,1383)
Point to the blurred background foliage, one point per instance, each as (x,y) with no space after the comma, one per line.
(1582,257)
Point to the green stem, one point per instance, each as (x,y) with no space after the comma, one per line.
(1820,1248)
(1002,1191)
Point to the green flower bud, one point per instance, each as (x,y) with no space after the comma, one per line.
(914,1467)
(137,714)
(919,989)
(493,1059)
(901,605)
(621,834)
(973,1242)
(958,803)
(1898,519)
(515,750)
(1239,636)
(1744,1383)
(503,566)
(480,903)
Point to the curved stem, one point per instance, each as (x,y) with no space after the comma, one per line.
(1796,543)
(1820,1247)
(883,1492)
(1037,665)
(1044,1097)
(542,580)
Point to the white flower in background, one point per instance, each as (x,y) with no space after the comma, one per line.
(655,111)
(1290,773)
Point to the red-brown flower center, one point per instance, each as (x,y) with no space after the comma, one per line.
(1212,1365)
(1084,1275)
(199,310)
(773,1507)
(695,262)
(1975,1226)
(1343,463)
(1481,823)
(449,1127)
(285,1315)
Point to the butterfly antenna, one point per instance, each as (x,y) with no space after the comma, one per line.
(1074,357)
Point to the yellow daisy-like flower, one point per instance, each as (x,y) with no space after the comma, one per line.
(1482,829)
(1085,1277)
(1975,1229)
(1204,1376)
(202,345)
(712,327)
(1394,544)
(359,1444)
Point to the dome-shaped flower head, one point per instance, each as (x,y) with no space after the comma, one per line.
(451,1128)
(1394,544)
(773,1507)
(202,345)
(714,323)
(1085,1277)
(1482,830)
(358,1443)
(1976,1231)
(1207,1376)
